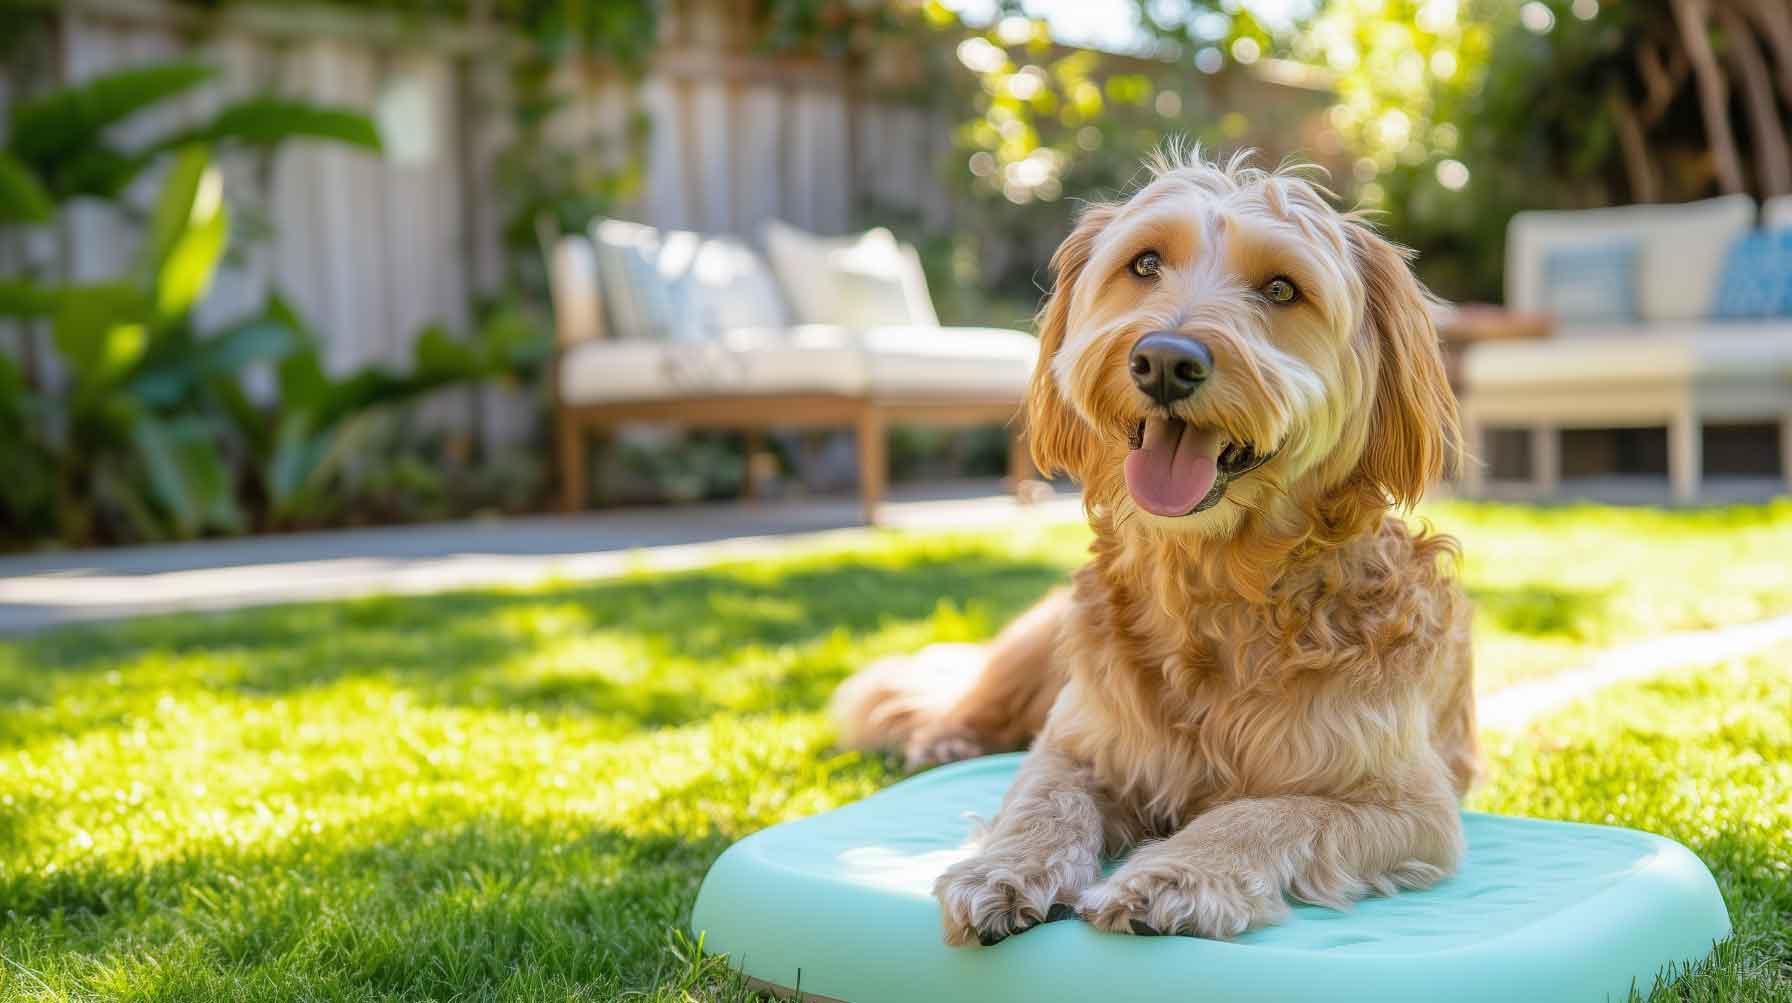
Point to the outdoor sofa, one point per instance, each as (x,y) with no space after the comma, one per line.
(671,327)
(1674,316)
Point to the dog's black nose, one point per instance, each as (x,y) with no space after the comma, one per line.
(1170,366)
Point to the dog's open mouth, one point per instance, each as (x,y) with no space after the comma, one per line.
(1177,469)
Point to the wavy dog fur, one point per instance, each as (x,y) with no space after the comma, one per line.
(1265,699)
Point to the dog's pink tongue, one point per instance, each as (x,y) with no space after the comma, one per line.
(1174,468)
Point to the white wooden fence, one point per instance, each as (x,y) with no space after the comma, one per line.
(372,247)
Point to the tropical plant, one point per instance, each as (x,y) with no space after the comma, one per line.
(57,148)
(301,443)
(121,445)
(129,452)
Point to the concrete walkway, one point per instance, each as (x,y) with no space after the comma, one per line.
(1515,706)
(39,591)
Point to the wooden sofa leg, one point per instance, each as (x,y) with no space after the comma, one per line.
(1546,460)
(873,461)
(1786,449)
(574,486)
(1474,462)
(1684,456)
(752,444)
(1020,462)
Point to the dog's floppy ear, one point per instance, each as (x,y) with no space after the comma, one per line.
(1414,433)
(1056,436)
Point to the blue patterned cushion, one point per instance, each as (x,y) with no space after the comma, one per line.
(1757,277)
(1591,283)
(639,301)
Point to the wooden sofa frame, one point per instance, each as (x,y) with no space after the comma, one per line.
(870,417)
(580,317)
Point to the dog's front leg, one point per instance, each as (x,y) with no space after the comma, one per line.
(1229,870)
(1043,848)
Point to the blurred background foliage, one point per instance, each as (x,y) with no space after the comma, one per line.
(149,429)
(1444,116)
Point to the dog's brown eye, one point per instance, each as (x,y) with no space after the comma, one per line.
(1146,265)
(1280,290)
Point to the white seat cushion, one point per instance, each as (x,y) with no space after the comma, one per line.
(1777,212)
(881,362)
(1655,353)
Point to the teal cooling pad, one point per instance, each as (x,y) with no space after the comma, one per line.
(1540,912)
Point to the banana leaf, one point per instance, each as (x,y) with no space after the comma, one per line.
(186,273)
(23,198)
(25,298)
(171,373)
(101,332)
(51,129)
(268,121)
(187,475)
(172,215)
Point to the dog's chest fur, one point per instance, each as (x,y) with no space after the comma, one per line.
(1180,704)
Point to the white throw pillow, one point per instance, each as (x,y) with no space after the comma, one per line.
(675,285)
(1681,250)
(733,289)
(862,281)
(640,299)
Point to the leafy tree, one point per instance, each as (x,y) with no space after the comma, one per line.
(1453,114)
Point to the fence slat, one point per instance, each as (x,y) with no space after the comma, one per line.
(760,151)
(350,188)
(714,149)
(370,249)
(821,160)
(95,238)
(665,201)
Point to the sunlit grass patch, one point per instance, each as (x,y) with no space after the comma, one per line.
(1553,584)
(1703,756)
(514,793)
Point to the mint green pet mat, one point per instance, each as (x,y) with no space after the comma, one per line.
(1540,912)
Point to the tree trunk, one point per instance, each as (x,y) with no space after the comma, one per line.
(1693,16)
(1774,17)
(1773,159)
(1637,168)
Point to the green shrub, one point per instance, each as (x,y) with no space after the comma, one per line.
(149,434)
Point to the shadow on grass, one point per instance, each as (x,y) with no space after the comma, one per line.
(418,912)
(647,651)
(437,902)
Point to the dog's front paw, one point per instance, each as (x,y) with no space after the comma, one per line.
(1173,897)
(989,897)
(939,744)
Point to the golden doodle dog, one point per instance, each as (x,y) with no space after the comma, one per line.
(1259,686)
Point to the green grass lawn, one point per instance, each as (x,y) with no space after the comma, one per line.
(513,794)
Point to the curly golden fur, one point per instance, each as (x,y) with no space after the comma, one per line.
(1265,698)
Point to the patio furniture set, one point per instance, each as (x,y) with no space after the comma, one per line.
(676,328)
(1648,316)
(1675,316)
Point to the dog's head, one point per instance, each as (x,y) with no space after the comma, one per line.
(1225,343)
